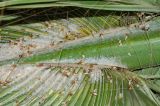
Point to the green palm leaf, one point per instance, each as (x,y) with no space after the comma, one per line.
(116,5)
(89,60)
(119,45)
(99,84)
(73,84)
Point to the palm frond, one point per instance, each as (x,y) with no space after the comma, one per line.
(152,77)
(80,58)
(50,84)
(116,5)
(121,46)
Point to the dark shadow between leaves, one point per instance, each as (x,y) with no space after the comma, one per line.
(26,16)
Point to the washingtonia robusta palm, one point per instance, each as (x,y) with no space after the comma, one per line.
(89,53)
